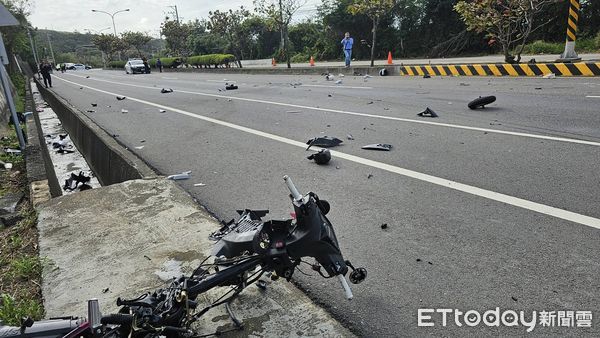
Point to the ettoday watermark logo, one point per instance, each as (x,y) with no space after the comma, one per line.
(508,318)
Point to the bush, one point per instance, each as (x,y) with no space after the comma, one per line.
(597,41)
(300,58)
(209,60)
(168,62)
(116,64)
(542,47)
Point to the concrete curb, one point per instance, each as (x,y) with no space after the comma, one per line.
(110,162)
(476,69)
(523,69)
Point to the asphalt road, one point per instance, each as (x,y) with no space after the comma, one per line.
(487,208)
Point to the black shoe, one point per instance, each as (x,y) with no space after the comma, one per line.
(46,86)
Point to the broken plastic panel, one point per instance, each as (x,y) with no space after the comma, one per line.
(378,146)
(427,113)
(183,176)
(324,141)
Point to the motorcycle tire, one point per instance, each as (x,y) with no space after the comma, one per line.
(481,101)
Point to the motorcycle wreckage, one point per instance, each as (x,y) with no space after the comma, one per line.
(245,250)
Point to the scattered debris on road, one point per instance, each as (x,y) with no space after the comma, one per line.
(293,112)
(329,77)
(183,176)
(427,113)
(121,98)
(369,176)
(231,87)
(166,91)
(338,82)
(549,76)
(124,111)
(322,157)
(350,137)
(199,185)
(464,84)
(324,141)
(162,111)
(72,182)
(90,111)
(384,226)
(481,102)
(139,148)
(378,146)
(427,76)
(383,72)
(94,104)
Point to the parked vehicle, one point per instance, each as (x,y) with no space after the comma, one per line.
(135,66)
(245,250)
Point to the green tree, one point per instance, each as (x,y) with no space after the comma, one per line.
(280,14)
(137,40)
(230,25)
(509,22)
(109,44)
(15,37)
(375,10)
(176,36)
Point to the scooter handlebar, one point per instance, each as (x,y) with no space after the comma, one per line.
(346,287)
(295,194)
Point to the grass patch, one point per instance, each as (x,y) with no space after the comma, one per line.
(20,265)
(12,310)
(26,267)
(18,81)
(585,45)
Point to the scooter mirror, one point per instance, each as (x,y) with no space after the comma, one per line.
(324,206)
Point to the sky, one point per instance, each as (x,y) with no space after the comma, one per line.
(143,15)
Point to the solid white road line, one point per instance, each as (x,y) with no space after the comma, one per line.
(507,199)
(456,126)
(593,96)
(342,87)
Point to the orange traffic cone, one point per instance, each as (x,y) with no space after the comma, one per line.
(312,61)
(273,62)
(390,58)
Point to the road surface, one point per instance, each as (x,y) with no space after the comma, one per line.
(485,209)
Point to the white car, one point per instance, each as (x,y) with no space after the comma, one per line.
(135,66)
(77,66)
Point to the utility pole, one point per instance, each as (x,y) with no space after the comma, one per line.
(176,13)
(37,62)
(569,55)
(51,50)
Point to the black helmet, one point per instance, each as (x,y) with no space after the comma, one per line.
(322,157)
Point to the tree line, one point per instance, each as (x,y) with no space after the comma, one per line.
(407,28)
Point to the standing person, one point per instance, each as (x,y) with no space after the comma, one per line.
(347,43)
(159,65)
(146,66)
(45,69)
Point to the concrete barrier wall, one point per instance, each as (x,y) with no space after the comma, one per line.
(109,160)
(354,70)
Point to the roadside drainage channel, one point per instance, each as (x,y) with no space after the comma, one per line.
(71,169)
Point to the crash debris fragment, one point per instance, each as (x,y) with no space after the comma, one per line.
(121,98)
(324,141)
(72,183)
(428,112)
(165,91)
(321,157)
(182,176)
(378,146)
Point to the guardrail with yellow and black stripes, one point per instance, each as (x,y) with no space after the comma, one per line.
(524,69)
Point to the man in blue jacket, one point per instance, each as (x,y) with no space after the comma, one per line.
(347,43)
